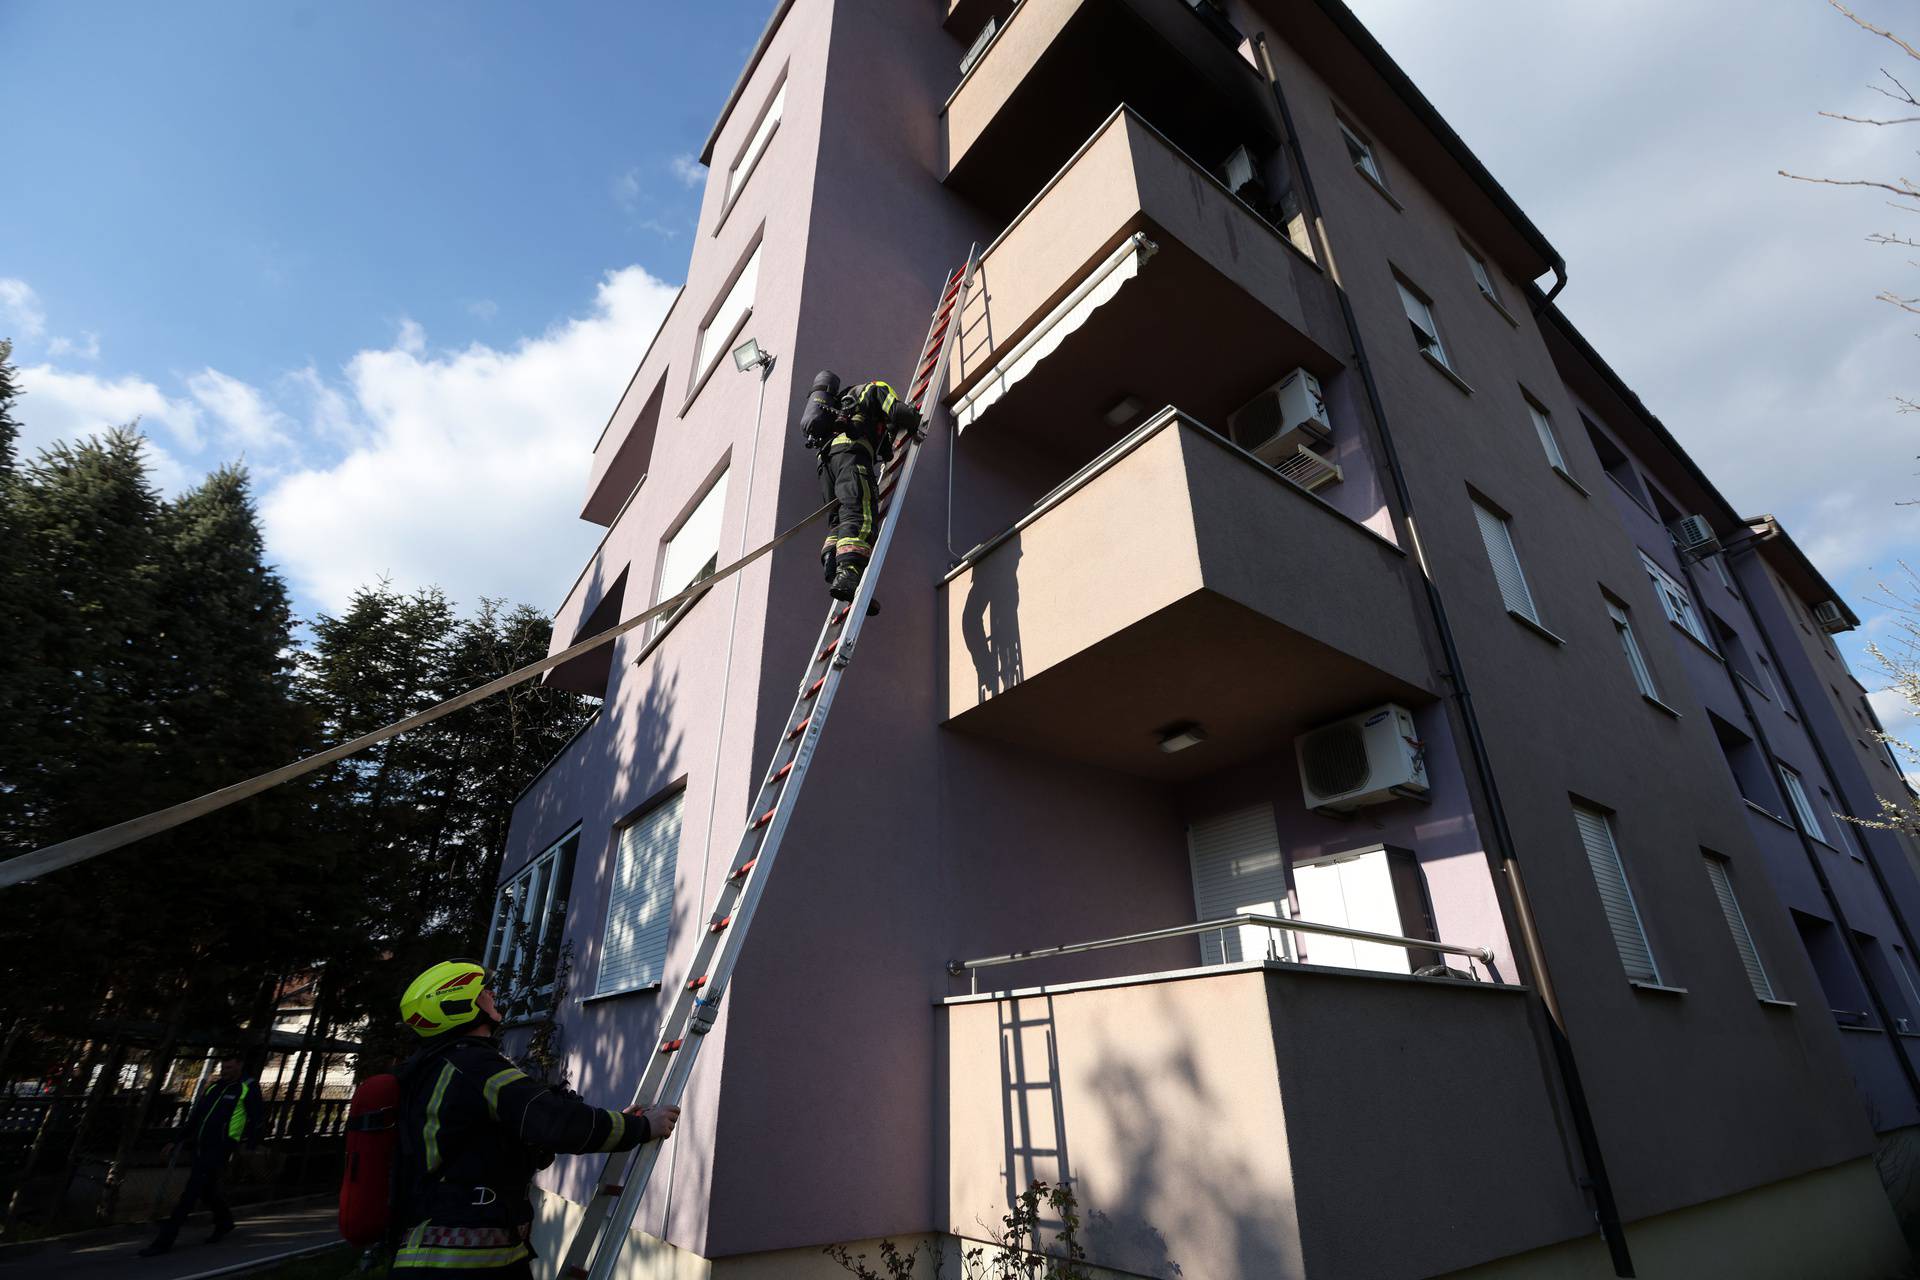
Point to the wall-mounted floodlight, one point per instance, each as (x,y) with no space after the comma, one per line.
(748,356)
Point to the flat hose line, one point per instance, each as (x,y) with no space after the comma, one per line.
(30,866)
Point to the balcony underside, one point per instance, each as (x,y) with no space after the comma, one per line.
(1175,580)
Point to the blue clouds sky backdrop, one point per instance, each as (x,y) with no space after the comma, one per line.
(403,258)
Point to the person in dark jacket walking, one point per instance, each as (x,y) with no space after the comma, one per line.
(228,1113)
(474,1129)
(854,430)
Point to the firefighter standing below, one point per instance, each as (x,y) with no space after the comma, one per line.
(474,1129)
(854,430)
(228,1113)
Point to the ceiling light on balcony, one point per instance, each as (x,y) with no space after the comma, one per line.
(1178,737)
(1125,410)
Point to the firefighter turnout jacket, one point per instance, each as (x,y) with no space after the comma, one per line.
(226,1115)
(474,1129)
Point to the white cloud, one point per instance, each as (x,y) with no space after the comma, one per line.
(244,416)
(20,310)
(689,170)
(87,347)
(483,309)
(470,466)
(412,338)
(58,405)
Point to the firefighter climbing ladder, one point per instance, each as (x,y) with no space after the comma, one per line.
(602,1233)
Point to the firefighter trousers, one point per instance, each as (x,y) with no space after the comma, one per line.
(846,484)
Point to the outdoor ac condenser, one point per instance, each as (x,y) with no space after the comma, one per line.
(1276,423)
(1366,759)
(1695,537)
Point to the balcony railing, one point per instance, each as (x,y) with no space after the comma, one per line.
(970,969)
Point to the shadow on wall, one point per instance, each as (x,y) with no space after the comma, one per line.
(990,620)
(1154,1175)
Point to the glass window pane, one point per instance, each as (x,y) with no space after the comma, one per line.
(726,319)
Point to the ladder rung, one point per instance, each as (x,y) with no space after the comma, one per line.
(824,653)
(799,729)
(697,983)
(841,616)
(719,924)
(785,769)
(671,1046)
(580,1272)
(612,1188)
(814,688)
(742,869)
(763,819)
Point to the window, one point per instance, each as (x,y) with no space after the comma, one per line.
(1904,968)
(1360,151)
(1482,277)
(728,315)
(1675,601)
(529,916)
(1890,985)
(1614,461)
(1426,333)
(1543,427)
(1623,917)
(1843,828)
(693,550)
(1737,926)
(1719,563)
(749,156)
(1745,763)
(1802,808)
(1734,650)
(1839,981)
(1238,869)
(1496,532)
(633,952)
(1636,661)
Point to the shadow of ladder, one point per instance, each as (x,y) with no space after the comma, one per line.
(1027,1043)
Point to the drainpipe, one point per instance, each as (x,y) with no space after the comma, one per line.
(1559,283)
(1516,902)
(1880,1007)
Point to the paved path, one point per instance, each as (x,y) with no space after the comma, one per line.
(112,1254)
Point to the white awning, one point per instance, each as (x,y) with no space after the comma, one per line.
(1122,265)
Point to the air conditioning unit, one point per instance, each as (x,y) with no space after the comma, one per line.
(1695,537)
(1831,618)
(1276,423)
(1366,759)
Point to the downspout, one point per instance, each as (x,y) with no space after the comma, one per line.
(1606,1211)
(1559,283)
(1880,1009)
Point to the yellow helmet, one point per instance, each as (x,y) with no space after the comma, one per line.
(444,997)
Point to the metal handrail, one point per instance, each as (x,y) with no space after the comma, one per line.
(971,968)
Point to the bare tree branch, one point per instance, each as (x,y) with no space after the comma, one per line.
(1887,237)
(1864,24)
(1834,115)
(1905,304)
(1908,189)
(1905,95)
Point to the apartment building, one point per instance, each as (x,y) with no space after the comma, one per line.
(1281,551)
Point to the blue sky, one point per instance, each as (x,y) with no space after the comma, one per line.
(403,257)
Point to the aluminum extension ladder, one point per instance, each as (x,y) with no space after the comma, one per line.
(598,1241)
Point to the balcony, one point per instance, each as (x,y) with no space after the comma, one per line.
(1177,579)
(1134,274)
(1263,1119)
(1057,68)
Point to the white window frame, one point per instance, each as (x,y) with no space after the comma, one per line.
(1496,532)
(1360,153)
(1719,563)
(756,144)
(651,893)
(1549,438)
(1630,646)
(678,568)
(1603,859)
(1676,602)
(728,317)
(541,886)
(1802,807)
(1743,942)
(1482,276)
(1426,329)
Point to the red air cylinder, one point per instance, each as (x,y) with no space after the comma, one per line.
(366,1185)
